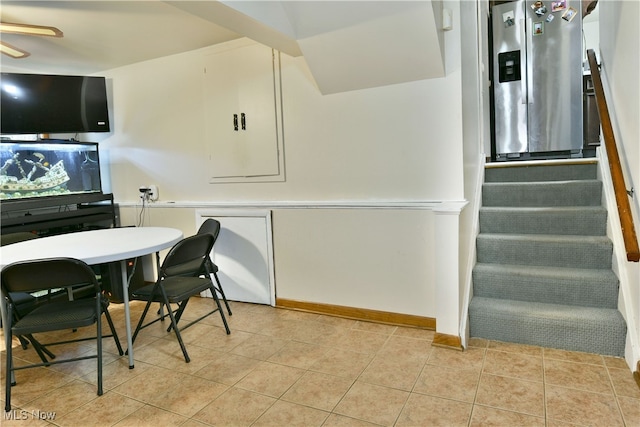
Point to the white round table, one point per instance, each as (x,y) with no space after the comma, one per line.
(96,247)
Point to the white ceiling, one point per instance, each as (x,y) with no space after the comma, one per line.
(101,35)
(347,44)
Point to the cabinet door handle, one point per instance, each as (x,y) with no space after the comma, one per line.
(243,120)
(235,122)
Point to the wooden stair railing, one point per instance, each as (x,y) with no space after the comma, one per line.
(622,197)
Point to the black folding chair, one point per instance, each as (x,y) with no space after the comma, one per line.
(53,314)
(212,226)
(179,280)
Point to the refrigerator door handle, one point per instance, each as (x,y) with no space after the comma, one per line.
(529,48)
(523,64)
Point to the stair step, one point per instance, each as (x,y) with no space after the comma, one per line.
(571,286)
(541,194)
(545,250)
(543,274)
(558,172)
(583,220)
(585,329)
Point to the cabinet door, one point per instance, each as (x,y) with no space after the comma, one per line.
(243,254)
(240,112)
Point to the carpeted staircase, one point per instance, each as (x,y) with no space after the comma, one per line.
(543,274)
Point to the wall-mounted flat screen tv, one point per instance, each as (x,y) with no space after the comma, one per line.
(39,103)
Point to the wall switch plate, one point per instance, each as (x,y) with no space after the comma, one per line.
(153,193)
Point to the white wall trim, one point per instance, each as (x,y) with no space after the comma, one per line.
(471,260)
(453,206)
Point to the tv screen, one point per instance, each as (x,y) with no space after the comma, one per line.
(38,103)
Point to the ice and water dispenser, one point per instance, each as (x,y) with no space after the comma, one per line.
(509,66)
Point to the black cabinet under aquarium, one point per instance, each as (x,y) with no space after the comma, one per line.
(48,168)
(54,186)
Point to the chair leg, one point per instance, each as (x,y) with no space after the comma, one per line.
(8,372)
(139,326)
(178,313)
(181,307)
(178,335)
(23,342)
(160,313)
(46,351)
(113,331)
(219,289)
(40,349)
(174,324)
(99,310)
(217,300)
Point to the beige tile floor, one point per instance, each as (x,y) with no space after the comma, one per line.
(288,368)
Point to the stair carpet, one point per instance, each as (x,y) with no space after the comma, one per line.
(543,274)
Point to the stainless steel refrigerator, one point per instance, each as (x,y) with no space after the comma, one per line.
(537,78)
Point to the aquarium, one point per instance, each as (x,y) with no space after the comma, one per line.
(48,168)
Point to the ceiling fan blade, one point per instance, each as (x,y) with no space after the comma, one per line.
(32,30)
(12,51)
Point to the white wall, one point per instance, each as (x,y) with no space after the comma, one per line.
(398,142)
(619,52)
(386,147)
(591,33)
(376,258)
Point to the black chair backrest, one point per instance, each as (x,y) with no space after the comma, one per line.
(210,226)
(45,274)
(187,256)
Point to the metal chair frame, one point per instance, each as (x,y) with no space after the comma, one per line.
(179,280)
(54,314)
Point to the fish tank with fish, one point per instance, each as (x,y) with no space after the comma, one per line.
(31,169)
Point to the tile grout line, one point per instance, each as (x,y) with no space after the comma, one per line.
(475,395)
(615,393)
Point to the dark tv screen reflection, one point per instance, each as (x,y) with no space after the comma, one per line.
(39,103)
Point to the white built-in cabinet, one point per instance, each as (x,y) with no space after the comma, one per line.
(243,110)
(243,253)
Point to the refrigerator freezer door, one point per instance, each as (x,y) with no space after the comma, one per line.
(554,49)
(509,70)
